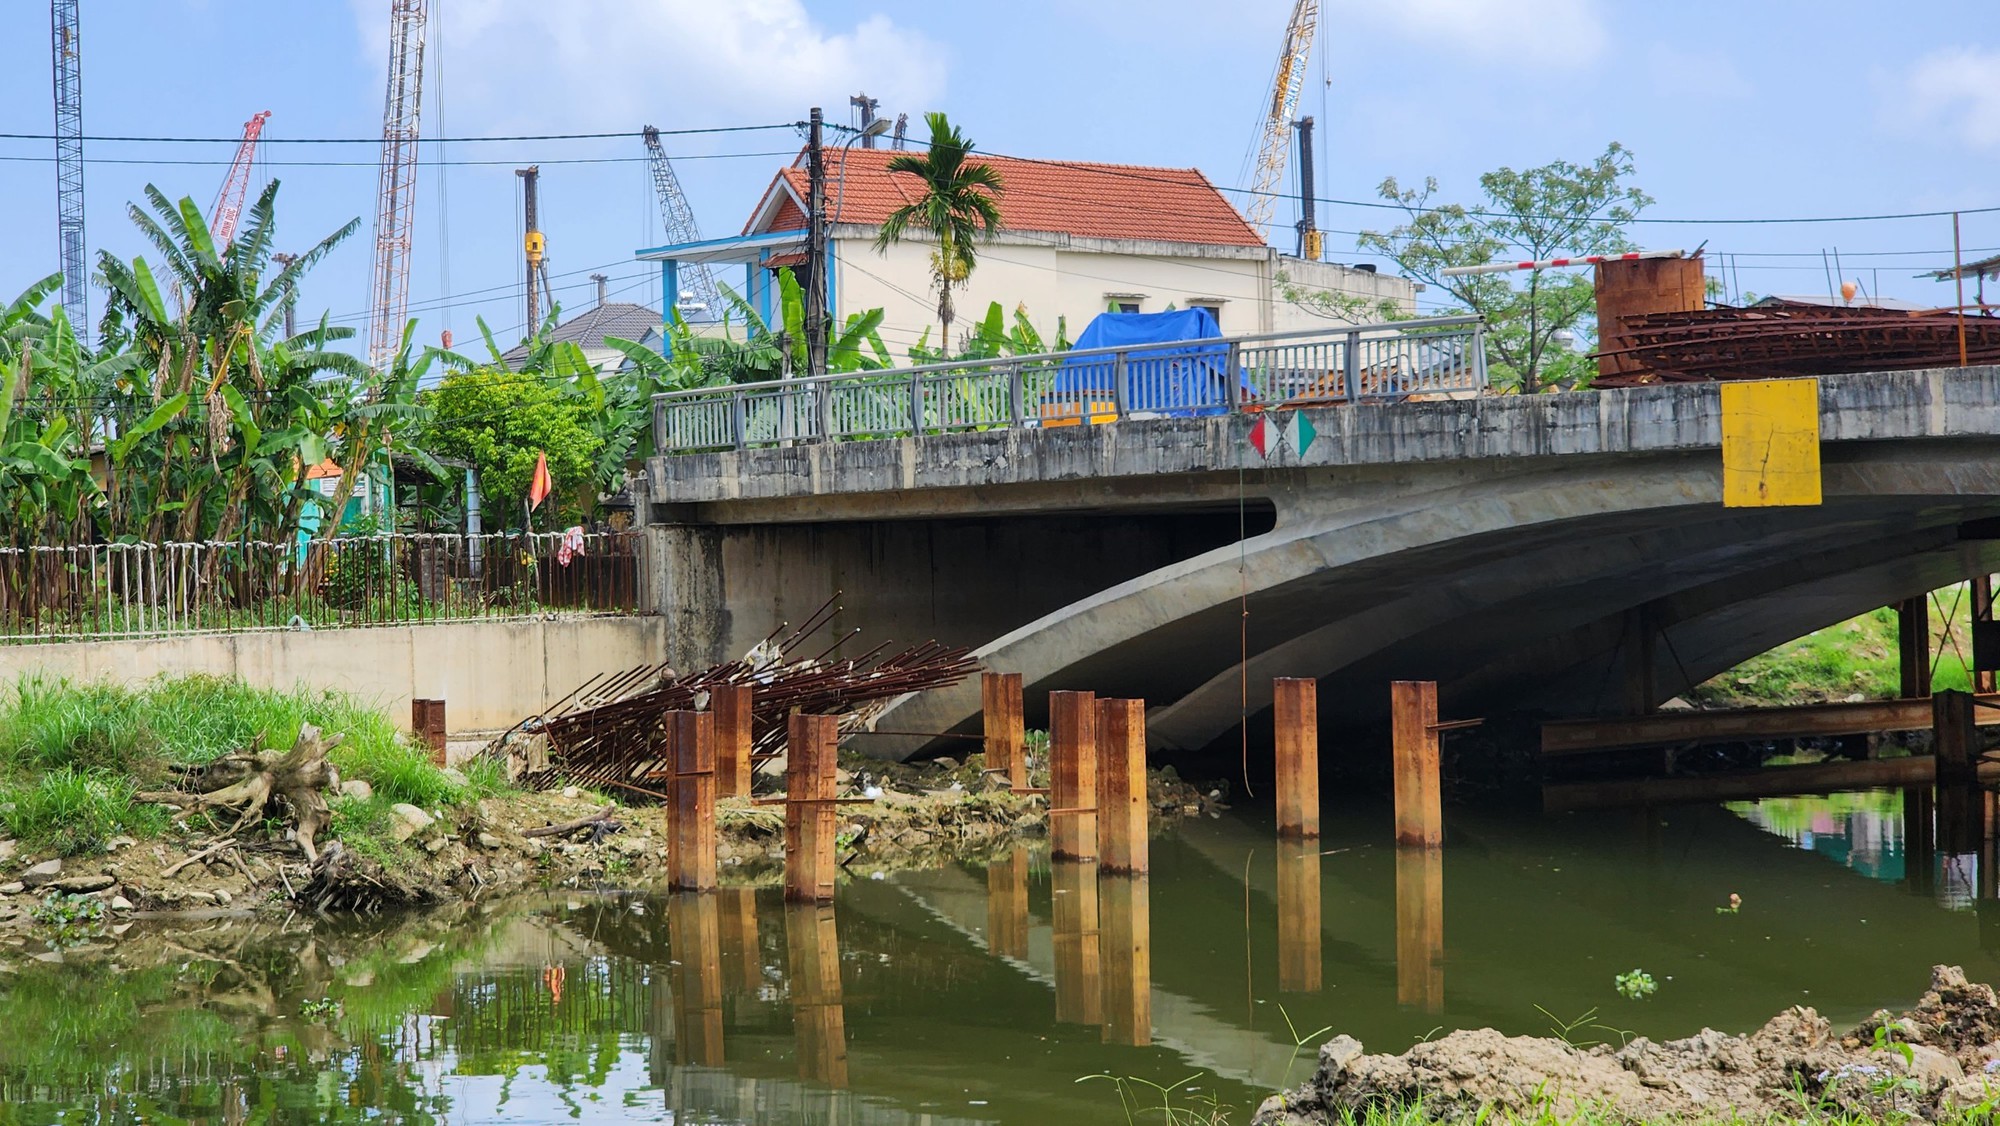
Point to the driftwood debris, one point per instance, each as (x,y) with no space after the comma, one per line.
(244,784)
(597,822)
(340,880)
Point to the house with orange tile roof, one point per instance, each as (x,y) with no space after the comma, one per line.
(1077,238)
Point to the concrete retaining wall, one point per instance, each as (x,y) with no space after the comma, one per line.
(490,674)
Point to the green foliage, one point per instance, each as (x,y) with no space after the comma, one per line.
(1854,657)
(1173,1104)
(1559,209)
(70,755)
(72,918)
(958,205)
(70,812)
(1635,985)
(500,420)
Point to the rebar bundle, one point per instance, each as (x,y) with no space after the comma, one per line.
(1781,339)
(607,732)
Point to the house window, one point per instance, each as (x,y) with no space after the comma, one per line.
(1124,302)
(1128,306)
(1214,309)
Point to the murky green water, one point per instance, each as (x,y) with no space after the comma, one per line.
(981,994)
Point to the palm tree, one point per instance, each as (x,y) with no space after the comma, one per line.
(959,206)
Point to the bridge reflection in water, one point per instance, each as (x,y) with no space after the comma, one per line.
(981,991)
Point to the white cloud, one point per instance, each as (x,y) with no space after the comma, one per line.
(1955,91)
(1525,33)
(601,64)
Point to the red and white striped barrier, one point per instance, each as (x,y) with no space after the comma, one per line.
(1551,263)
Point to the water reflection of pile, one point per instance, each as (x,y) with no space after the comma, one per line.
(606,732)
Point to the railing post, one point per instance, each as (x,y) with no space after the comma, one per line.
(824,396)
(1479,355)
(1232,380)
(1017,393)
(1119,394)
(739,423)
(917,403)
(1352,376)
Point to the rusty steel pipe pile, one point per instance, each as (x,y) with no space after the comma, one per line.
(606,733)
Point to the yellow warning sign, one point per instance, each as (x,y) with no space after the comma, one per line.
(1770,443)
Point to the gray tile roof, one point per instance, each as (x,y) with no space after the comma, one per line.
(589,328)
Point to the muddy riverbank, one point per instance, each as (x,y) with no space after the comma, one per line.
(900,817)
(1940,1059)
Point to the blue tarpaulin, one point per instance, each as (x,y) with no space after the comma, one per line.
(1159,378)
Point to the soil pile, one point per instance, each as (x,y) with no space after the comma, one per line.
(1941,1057)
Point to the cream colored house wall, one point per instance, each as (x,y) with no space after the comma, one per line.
(1078,282)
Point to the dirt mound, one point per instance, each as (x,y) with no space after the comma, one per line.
(1940,1057)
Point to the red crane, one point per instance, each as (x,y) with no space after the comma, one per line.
(229,201)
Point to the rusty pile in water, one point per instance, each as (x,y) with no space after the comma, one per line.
(1781,338)
(606,733)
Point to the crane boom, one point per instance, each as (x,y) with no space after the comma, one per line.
(1276,148)
(69,160)
(229,201)
(697,283)
(396,202)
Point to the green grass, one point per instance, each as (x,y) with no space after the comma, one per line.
(71,755)
(1855,657)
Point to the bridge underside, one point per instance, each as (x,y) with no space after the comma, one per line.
(1568,584)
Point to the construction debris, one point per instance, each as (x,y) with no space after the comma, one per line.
(1780,339)
(606,734)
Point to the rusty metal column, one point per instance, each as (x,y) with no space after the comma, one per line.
(1913,645)
(1073,775)
(1419,812)
(694,936)
(1299,959)
(1000,703)
(1121,785)
(1982,611)
(809,808)
(1295,713)
(691,855)
(1955,738)
(731,704)
(1125,944)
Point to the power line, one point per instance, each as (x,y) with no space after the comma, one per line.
(433,162)
(632,134)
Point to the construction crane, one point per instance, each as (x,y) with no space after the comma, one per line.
(69,160)
(229,201)
(698,292)
(396,202)
(1275,149)
(534,244)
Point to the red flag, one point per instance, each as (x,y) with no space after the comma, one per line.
(539,485)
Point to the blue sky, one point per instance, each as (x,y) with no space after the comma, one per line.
(1757,109)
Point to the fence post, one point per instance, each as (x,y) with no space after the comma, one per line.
(1352,376)
(1121,785)
(1295,715)
(1000,704)
(731,704)
(1414,716)
(427,724)
(739,422)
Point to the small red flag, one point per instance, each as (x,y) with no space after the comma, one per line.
(539,485)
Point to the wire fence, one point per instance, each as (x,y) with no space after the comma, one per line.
(1437,358)
(60,593)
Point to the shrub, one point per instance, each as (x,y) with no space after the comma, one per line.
(71,811)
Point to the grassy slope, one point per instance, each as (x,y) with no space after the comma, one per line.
(72,755)
(1855,657)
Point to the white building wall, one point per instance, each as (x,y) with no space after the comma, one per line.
(1077,282)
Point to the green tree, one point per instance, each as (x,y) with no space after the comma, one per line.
(499,420)
(958,205)
(1557,210)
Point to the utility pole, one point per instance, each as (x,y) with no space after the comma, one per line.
(1309,236)
(816,310)
(867,106)
(533,243)
(291,299)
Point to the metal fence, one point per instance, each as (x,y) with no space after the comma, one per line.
(1428,358)
(154,589)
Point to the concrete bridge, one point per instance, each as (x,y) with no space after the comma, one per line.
(1562,553)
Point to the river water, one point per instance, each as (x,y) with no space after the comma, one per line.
(984,992)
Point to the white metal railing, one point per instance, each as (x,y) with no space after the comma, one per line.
(1342,364)
(107,590)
